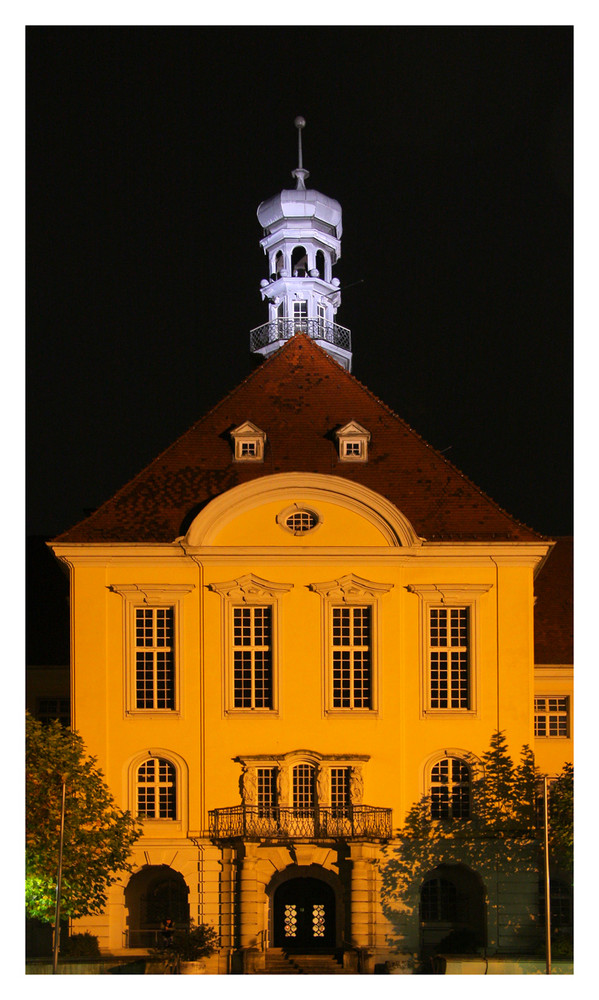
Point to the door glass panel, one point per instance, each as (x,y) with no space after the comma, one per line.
(318,920)
(290,919)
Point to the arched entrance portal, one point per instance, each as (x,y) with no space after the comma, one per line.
(304,915)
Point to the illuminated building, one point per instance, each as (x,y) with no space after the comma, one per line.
(294,623)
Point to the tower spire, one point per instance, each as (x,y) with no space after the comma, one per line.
(302,240)
(300,174)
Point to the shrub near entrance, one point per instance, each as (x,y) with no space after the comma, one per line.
(188,946)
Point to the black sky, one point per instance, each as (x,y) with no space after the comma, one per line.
(149,150)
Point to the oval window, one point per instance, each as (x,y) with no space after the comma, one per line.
(301,521)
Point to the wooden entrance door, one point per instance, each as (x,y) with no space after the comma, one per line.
(304,915)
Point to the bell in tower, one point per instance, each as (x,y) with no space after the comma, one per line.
(302,241)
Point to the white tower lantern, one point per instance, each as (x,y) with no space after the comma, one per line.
(302,240)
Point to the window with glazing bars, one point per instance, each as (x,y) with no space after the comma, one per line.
(156,790)
(49,709)
(266,790)
(438,900)
(252,657)
(340,790)
(351,657)
(449,658)
(154,658)
(303,788)
(450,789)
(551,717)
(300,312)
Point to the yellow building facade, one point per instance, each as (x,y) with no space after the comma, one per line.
(296,622)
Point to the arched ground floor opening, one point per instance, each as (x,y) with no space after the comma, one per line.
(452,911)
(153,894)
(307,909)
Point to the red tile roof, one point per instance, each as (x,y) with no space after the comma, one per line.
(554,608)
(299,397)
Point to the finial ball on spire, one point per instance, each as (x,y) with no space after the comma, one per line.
(299,122)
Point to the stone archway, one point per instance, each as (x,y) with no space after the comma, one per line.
(153,894)
(453,914)
(306,909)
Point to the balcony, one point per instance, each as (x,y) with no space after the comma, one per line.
(284,329)
(281,823)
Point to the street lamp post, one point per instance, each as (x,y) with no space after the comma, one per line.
(547,883)
(59,879)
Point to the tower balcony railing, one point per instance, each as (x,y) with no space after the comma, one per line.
(283,823)
(284,329)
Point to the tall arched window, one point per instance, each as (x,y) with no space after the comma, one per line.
(450,789)
(303,788)
(156,789)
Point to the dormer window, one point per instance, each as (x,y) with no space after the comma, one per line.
(248,443)
(353,440)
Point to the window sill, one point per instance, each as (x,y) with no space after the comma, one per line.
(365,712)
(431,713)
(153,713)
(264,712)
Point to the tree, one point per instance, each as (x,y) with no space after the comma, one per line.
(98,836)
(561,820)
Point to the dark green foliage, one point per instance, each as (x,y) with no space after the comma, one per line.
(188,944)
(503,794)
(98,835)
(561,819)
(80,946)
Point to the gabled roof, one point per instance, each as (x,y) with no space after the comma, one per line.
(300,396)
(554,607)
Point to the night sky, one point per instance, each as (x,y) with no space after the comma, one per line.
(149,150)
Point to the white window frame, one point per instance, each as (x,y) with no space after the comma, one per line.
(348,591)
(247,591)
(547,712)
(154,596)
(300,313)
(353,441)
(458,595)
(321,315)
(248,443)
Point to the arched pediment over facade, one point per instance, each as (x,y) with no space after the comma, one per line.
(287,509)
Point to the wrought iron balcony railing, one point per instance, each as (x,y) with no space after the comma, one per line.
(284,329)
(280,823)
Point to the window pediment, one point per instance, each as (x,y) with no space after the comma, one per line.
(353,441)
(249,588)
(350,588)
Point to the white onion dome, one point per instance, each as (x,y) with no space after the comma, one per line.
(301,204)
